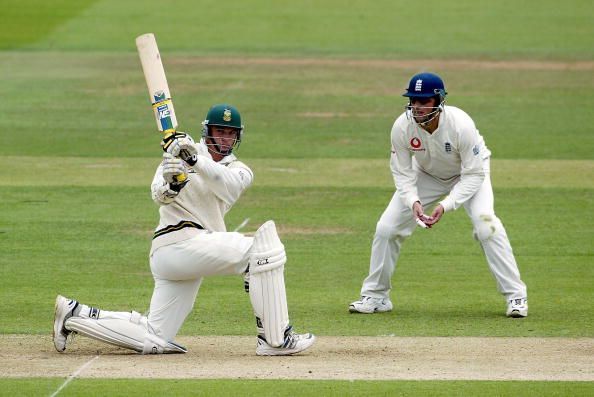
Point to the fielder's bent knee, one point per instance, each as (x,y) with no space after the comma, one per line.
(390,231)
(385,230)
(486,226)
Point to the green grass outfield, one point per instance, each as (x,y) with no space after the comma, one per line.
(319,85)
(94,240)
(134,387)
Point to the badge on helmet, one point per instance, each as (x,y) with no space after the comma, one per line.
(426,85)
(222,115)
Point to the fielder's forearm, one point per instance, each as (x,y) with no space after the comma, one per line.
(405,177)
(472,173)
(463,191)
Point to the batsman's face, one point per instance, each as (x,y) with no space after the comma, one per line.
(224,137)
(220,141)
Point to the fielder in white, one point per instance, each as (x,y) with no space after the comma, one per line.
(191,243)
(438,158)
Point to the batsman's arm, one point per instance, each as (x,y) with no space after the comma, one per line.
(227,181)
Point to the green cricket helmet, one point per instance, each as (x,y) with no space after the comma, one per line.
(222,115)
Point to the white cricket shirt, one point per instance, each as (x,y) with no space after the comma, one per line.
(454,150)
(212,189)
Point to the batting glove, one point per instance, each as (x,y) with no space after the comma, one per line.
(183,146)
(172,169)
(163,194)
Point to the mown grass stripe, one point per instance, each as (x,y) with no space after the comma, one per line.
(84,171)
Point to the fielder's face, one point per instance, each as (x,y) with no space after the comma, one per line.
(423,109)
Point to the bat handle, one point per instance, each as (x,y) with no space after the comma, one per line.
(180,178)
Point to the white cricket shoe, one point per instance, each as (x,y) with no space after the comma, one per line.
(294,343)
(63,310)
(369,305)
(517,308)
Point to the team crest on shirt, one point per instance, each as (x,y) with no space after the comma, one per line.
(415,145)
(448,147)
(475,150)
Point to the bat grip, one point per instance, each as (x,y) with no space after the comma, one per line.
(180,178)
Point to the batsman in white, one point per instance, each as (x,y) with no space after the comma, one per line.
(438,158)
(191,243)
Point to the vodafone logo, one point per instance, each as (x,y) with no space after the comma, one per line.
(415,144)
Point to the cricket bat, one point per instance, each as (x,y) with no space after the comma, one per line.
(158,89)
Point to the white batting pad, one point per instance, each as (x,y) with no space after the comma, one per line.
(267,283)
(130,333)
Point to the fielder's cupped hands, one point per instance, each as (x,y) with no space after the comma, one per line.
(435,216)
(419,216)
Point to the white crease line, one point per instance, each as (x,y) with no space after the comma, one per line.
(74,375)
(241,225)
(289,170)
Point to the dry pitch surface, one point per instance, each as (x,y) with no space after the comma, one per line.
(345,358)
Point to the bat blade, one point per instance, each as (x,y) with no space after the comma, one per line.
(156,81)
(158,89)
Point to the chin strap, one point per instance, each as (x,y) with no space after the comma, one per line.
(217,148)
(435,113)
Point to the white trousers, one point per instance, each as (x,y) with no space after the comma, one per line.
(397,223)
(178,270)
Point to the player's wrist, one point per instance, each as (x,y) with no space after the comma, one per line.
(447,204)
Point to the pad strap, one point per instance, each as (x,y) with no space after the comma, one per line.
(128,330)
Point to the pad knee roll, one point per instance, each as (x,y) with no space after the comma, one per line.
(267,283)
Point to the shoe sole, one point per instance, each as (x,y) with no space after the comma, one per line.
(352,309)
(58,313)
(285,352)
(517,314)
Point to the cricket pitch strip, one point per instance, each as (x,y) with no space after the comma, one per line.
(332,357)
